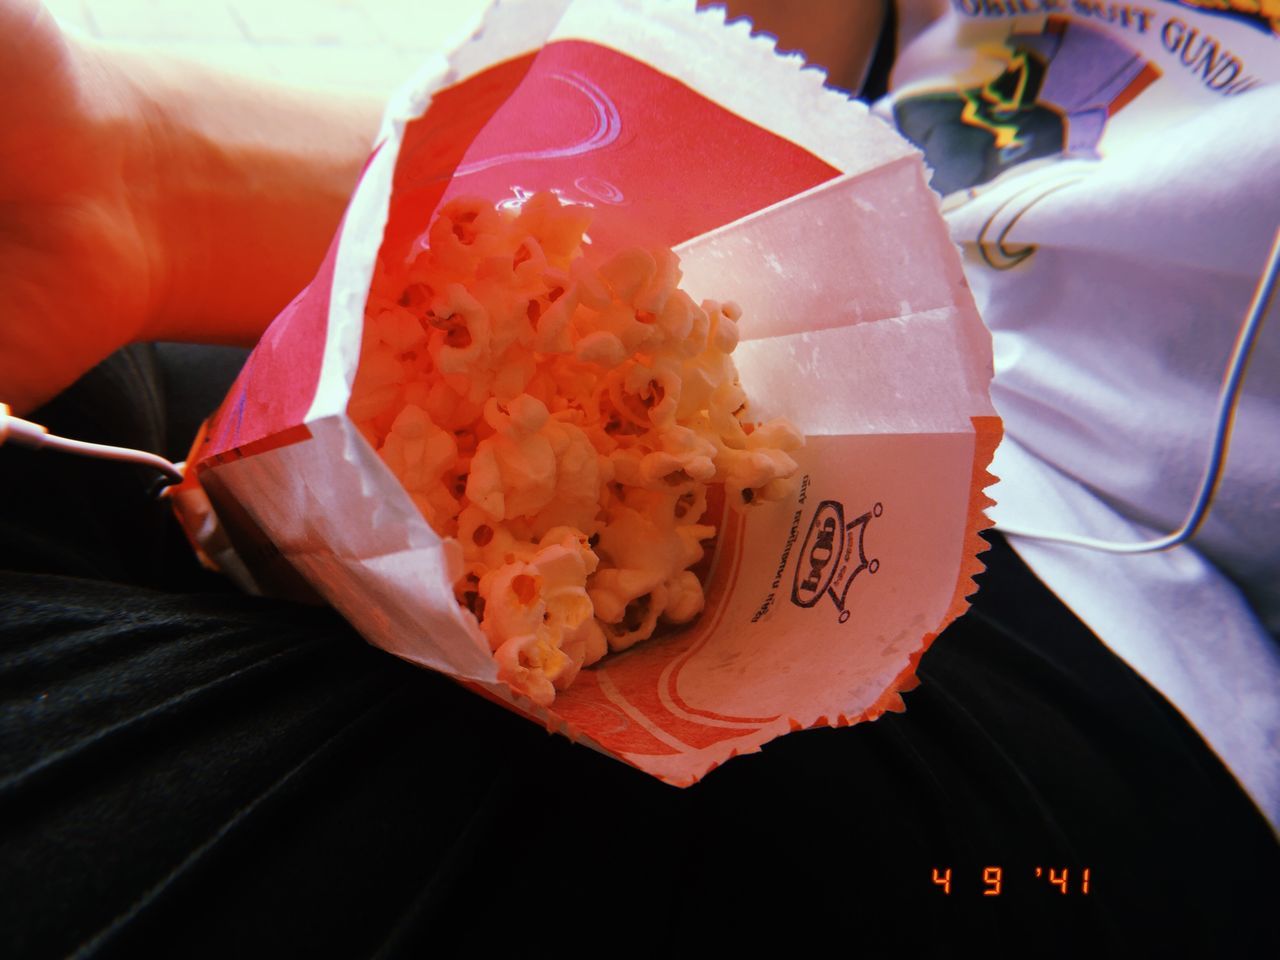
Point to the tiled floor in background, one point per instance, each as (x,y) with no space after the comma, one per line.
(366,45)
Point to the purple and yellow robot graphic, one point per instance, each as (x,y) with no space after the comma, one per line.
(1054,98)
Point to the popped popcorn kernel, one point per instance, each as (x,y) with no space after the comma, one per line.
(562,423)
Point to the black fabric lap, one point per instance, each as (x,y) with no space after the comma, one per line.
(243,776)
(188,771)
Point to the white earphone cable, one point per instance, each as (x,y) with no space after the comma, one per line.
(1228,401)
(33,435)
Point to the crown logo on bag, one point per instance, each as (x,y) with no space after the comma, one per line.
(827,567)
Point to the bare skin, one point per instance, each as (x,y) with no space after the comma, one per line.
(143,198)
(838,35)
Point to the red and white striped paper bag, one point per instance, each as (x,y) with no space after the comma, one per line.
(676,130)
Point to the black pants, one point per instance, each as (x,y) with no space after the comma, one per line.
(190,772)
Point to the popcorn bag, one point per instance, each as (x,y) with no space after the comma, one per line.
(648,125)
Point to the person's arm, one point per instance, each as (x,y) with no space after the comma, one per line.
(146,198)
(249,183)
(838,35)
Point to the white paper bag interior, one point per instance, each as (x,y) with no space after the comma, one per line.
(881,376)
(857,326)
(855,318)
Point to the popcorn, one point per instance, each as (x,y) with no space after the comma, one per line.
(563,423)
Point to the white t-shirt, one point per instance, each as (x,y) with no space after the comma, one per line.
(1110,171)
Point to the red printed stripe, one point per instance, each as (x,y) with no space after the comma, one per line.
(275,388)
(658,162)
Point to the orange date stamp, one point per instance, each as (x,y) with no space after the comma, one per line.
(993,880)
